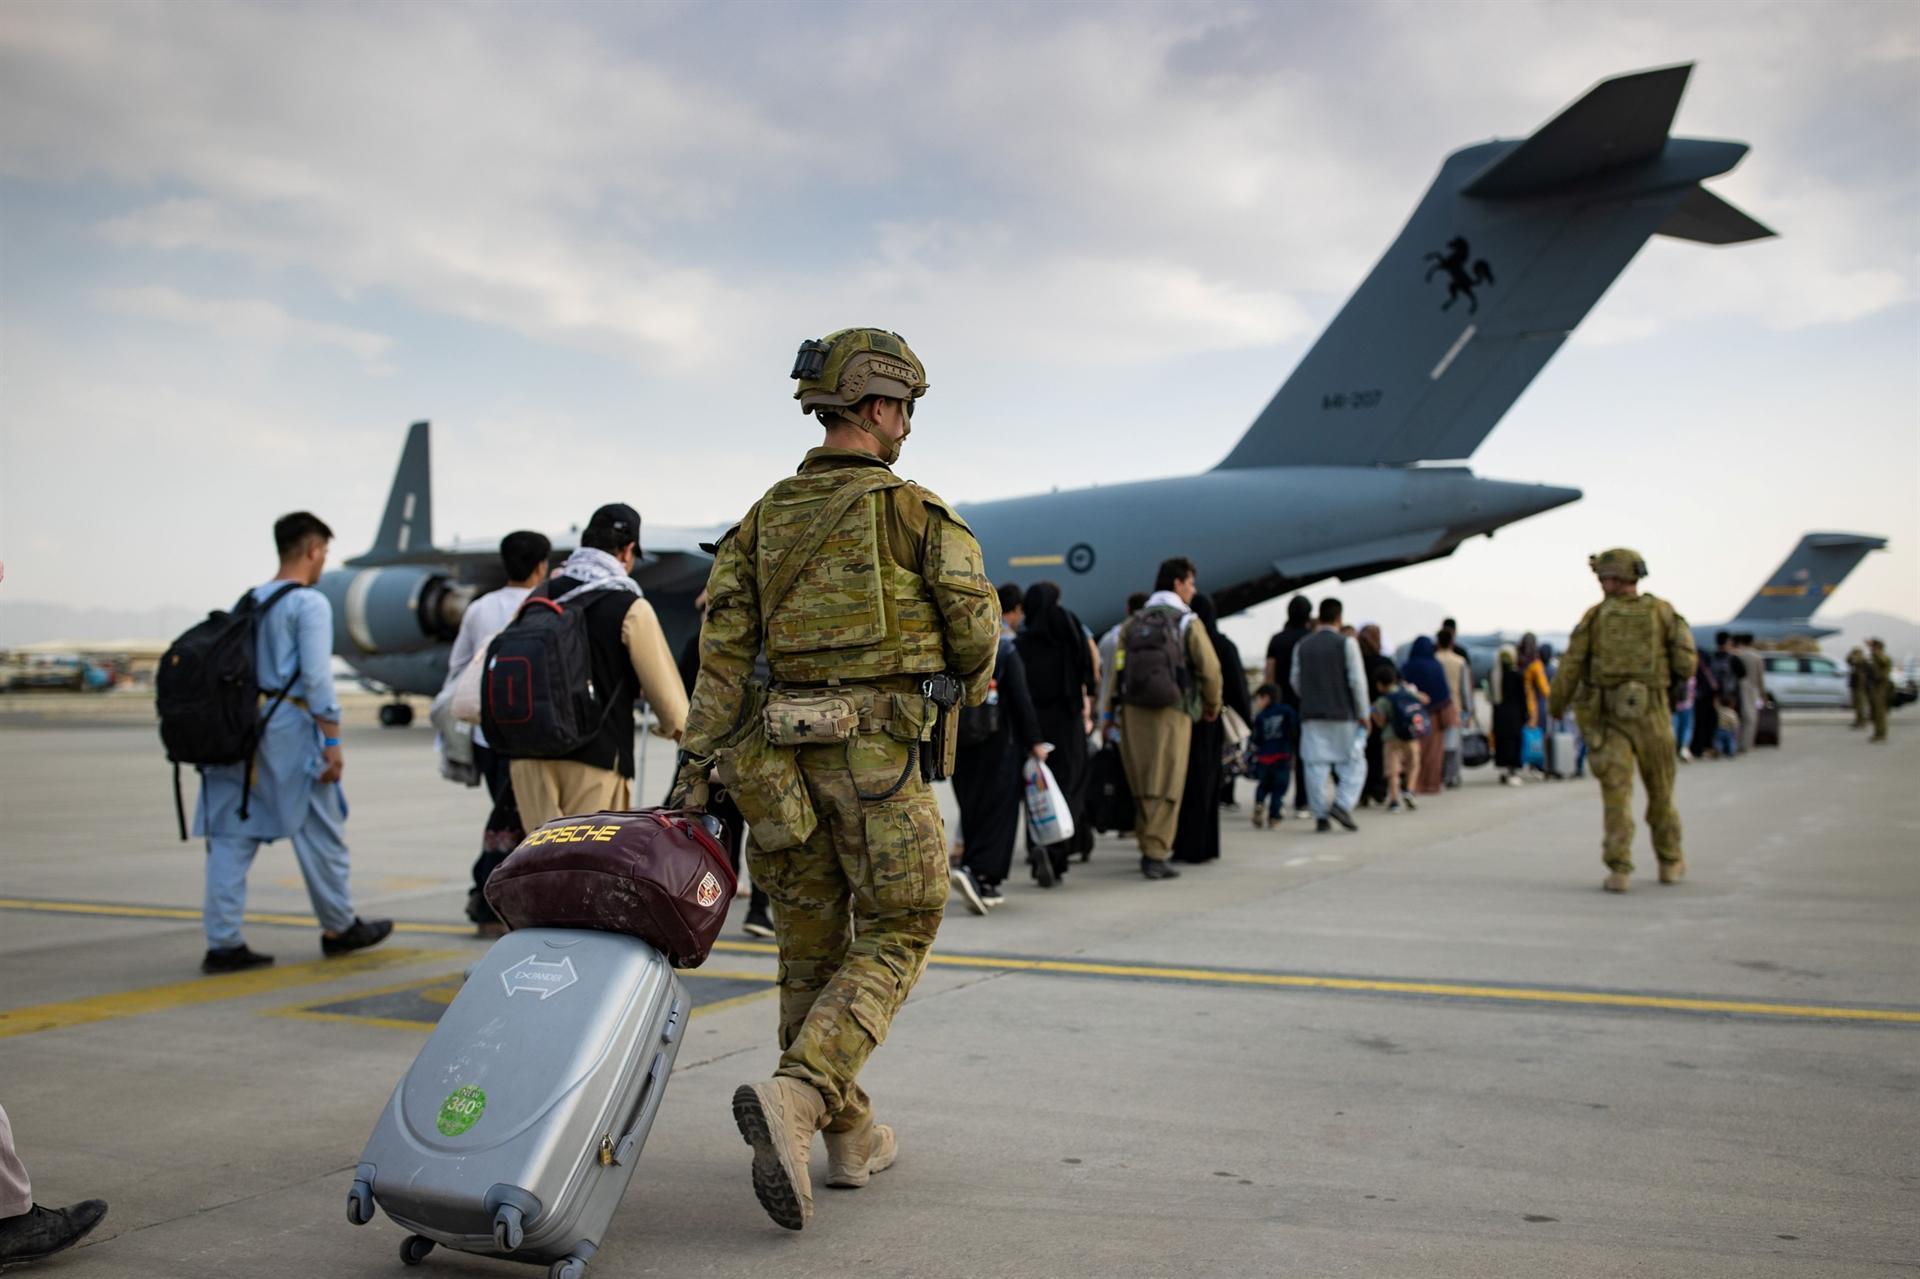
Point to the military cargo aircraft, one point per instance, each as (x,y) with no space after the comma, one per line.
(1352,469)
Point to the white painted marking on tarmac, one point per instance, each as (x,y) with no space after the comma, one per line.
(1296,861)
(1328,857)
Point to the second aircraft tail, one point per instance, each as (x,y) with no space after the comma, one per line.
(1812,572)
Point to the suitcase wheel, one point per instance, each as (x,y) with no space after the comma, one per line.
(360,1203)
(507,1232)
(567,1268)
(414,1249)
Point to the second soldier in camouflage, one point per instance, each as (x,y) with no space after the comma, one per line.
(1620,668)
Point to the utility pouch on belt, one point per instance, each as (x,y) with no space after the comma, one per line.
(911,719)
(811,721)
(1628,701)
(765,781)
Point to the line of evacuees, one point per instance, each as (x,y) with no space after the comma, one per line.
(1163,707)
(1148,728)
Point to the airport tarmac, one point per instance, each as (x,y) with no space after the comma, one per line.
(1432,1048)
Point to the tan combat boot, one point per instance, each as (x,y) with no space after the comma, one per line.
(778,1119)
(1259,816)
(1674,871)
(1616,882)
(854,1156)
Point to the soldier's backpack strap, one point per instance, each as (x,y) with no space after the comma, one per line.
(819,530)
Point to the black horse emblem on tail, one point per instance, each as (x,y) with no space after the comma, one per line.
(1459,283)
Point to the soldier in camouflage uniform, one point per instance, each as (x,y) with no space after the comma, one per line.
(1878,673)
(866,593)
(1626,658)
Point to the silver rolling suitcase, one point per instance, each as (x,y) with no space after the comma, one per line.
(1563,753)
(515,1132)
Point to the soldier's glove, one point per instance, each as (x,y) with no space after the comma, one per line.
(690,784)
(1676,691)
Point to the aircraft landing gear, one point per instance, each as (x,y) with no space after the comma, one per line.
(396,715)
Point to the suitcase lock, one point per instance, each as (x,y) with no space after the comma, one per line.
(606,1151)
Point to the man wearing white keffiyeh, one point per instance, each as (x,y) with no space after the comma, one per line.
(629,655)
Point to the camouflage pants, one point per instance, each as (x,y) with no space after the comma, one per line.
(1614,747)
(1877,710)
(855,909)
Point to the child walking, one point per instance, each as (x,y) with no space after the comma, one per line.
(1400,712)
(1270,754)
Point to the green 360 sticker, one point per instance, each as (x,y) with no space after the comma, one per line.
(461,1110)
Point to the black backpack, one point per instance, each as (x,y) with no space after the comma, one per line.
(1154,673)
(537,698)
(207,691)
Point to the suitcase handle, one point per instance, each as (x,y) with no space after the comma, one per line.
(629,1146)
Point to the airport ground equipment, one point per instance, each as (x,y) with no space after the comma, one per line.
(516,1131)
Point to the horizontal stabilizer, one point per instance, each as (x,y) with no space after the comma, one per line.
(1620,121)
(1707,219)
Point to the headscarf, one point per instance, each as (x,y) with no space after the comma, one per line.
(595,570)
(1050,626)
(1203,609)
(1527,652)
(1424,671)
(1372,660)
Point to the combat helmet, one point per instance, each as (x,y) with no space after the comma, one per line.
(1618,562)
(843,368)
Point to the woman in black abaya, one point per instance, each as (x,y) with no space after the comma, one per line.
(1197,838)
(1059,663)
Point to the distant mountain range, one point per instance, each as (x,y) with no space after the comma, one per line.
(27,622)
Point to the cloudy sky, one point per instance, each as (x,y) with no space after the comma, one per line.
(241,246)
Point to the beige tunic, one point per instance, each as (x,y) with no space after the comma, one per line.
(1154,743)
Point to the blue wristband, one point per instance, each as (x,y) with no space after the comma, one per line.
(330,742)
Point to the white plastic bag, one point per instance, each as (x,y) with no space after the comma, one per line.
(1049,820)
(466,689)
(453,740)
(1236,729)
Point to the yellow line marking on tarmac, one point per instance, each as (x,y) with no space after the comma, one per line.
(1207,976)
(1516,994)
(182,912)
(205,990)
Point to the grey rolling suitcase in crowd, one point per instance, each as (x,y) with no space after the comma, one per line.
(1563,753)
(515,1132)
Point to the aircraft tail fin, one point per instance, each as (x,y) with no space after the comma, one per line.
(1812,572)
(1507,252)
(408,522)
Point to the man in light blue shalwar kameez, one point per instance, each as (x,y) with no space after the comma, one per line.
(296,791)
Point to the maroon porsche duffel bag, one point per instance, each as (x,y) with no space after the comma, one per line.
(655,874)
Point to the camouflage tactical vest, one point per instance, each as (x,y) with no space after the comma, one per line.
(1627,644)
(854,613)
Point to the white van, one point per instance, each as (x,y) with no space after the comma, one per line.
(1807,681)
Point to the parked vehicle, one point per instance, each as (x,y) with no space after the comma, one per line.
(1803,681)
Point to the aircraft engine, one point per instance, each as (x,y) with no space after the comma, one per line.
(393,610)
